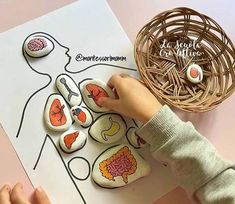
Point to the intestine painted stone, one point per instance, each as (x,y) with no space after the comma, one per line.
(72,140)
(119,166)
(134,139)
(81,115)
(92,90)
(68,88)
(108,128)
(38,46)
(56,113)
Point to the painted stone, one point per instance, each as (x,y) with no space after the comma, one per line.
(119,166)
(38,46)
(81,115)
(134,139)
(72,140)
(56,113)
(108,128)
(92,90)
(69,90)
(194,73)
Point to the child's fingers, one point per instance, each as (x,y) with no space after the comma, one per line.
(41,197)
(113,81)
(17,195)
(108,102)
(5,195)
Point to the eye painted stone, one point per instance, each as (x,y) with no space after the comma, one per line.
(81,115)
(119,166)
(108,128)
(134,139)
(38,46)
(92,90)
(56,113)
(72,140)
(194,73)
(68,88)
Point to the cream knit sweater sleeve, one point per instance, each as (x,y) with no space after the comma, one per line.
(200,170)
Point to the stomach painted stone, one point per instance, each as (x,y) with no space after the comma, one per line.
(82,116)
(56,113)
(38,46)
(72,140)
(119,166)
(69,90)
(134,139)
(108,128)
(92,90)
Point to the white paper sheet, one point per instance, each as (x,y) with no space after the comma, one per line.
(89,28)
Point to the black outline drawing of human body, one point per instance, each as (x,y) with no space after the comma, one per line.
(33,65)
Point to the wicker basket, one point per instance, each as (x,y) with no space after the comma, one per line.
(172,41)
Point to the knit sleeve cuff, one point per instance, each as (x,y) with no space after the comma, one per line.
(160,128)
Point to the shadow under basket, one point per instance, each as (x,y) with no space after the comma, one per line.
(171,42)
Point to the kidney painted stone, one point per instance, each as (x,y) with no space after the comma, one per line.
(119,166)
(92,90)
(68,88)
(38,46)
(72,140)
(81,115)
(194,73)
(108,128)
(56,113)
(134,139)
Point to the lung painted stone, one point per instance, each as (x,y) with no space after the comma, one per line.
(72,140)
(56,113)
(38,46)
(108,128)
(119,166)
(92,90)
(68,88)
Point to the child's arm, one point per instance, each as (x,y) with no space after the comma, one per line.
(199,168)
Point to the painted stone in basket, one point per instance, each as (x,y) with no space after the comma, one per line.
(194,73)
(119,166)
(56,113)
(38,46)
(81,115)
(72,140)
(68,88)
(92,90)
(108,128)
(134,139)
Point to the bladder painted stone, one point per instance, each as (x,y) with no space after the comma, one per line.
(134,139)
(119,166)
(72,140)
(92,90)
(68,88)
(194,73)
(56,113)
(108,128)
(81,115)
(38,46)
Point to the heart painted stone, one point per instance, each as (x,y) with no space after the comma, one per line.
(134,139)
(38,46)
(92,90)
(108,128)
(69,90)
(56,113)
(119,166)
(81,115)
(72,140)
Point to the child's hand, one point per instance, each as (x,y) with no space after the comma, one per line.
(16,195)
(133,98)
